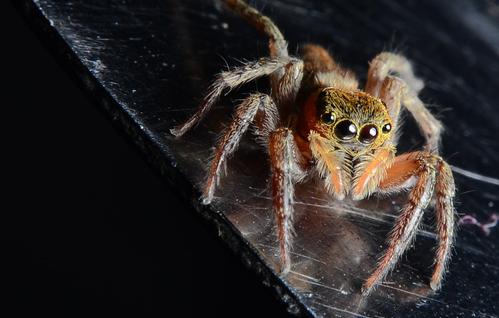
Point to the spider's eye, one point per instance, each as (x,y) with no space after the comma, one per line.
(345,130)
(368,133)
(328,118)
(387,128)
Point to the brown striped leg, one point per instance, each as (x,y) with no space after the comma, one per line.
(277,44)
(246,112)
(422,166)
(284,160)
(386,64)
(229,80)
(289,84)
(430,127)
(445,191)
(278,47)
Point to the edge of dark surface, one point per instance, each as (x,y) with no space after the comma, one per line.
(156,155)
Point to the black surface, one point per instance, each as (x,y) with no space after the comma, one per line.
(87,228)
(148,61)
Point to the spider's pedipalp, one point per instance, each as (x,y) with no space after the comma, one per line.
(230,80)
(284,160)
(370,170)
(331,166)
(244,115)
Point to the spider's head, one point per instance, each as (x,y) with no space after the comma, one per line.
(353,121)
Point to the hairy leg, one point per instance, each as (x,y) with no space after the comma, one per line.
(431,127)
(278,47)
(245,114)
(284,159)
(277,44)
(325,72)
(433,177)
(404,167)
(445,191)
(230,80)
(288,85)
(386,64)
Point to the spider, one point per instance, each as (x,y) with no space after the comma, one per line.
(316,118)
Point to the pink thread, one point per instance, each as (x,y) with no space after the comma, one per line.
(485,227)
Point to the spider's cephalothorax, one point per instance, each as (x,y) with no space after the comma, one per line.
(353,121)
(318,119)
(345,128)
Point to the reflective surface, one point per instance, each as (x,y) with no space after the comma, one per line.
(155,58)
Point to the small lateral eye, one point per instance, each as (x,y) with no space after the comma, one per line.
(345,130)
(368,133)
(387,128)
(328,118)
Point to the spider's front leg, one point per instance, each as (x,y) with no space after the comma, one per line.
(230,80)
(381,172)
(286,171)
(381,68)
(432,177)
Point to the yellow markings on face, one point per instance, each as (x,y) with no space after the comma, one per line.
(354,118)
(329,164)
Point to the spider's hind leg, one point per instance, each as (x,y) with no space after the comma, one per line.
(323,71)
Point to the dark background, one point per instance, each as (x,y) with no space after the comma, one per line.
(83,227)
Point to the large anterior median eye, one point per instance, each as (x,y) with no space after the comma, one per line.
(345,130)
(368,133)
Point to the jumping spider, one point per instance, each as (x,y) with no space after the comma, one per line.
(317,117)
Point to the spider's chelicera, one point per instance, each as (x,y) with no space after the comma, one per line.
(346,134)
